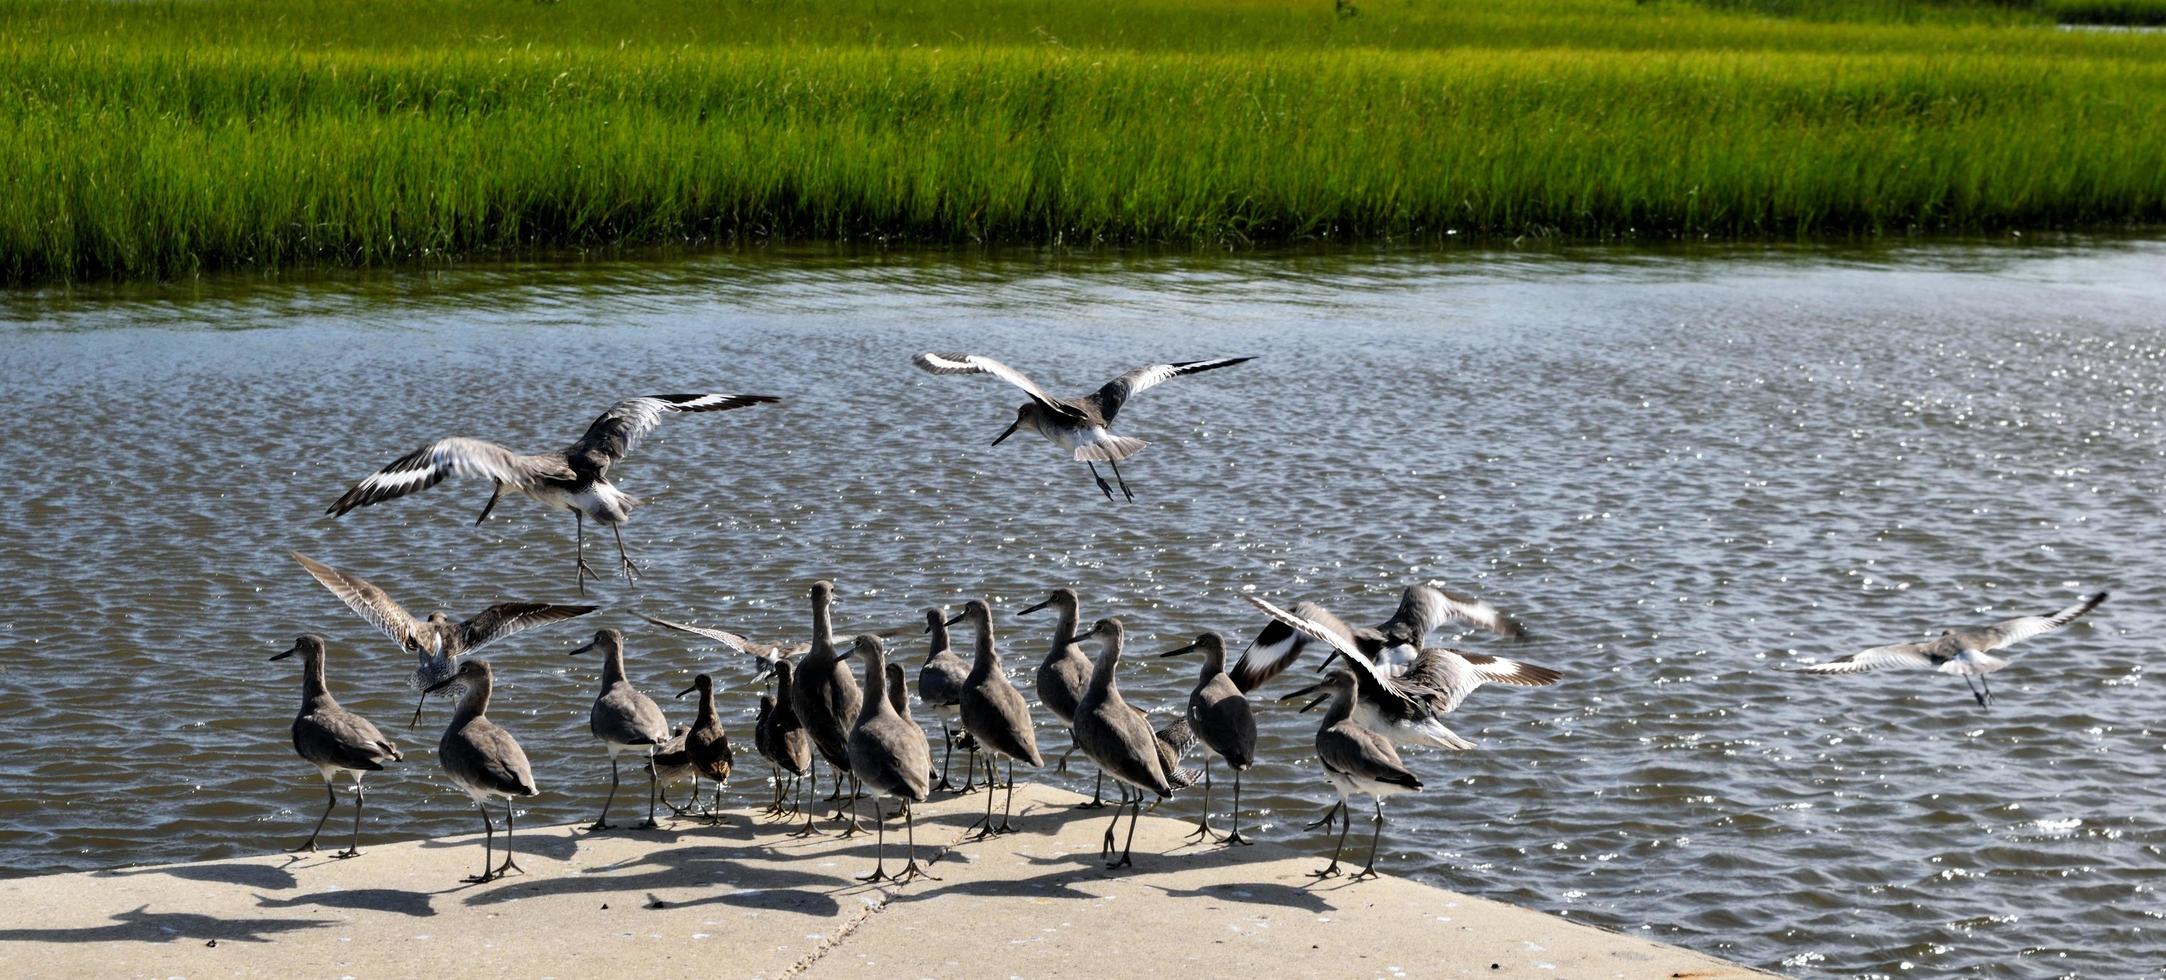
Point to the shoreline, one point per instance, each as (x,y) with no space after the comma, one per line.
(1036,902)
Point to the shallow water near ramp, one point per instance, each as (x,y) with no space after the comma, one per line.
(1684,472)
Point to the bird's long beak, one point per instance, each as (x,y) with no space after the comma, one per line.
(290,651)
(585,649)
(681,694)
(1306,708)
(1326,665)
(1009,431)
(1027,610)
(958,618)
(439,685)
(1176,653)
(1304,692)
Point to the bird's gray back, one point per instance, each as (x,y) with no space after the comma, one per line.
(330,735)
(483,757)
(623,715)
(994,714)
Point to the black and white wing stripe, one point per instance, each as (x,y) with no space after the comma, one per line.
(1278,646)
(506,618)
(939,363)
(765,653)
(458,456)
(369,601)
(619,430)
(1455,674)
(1920,654)
(1117,391)
(1424,609)
(2022,628)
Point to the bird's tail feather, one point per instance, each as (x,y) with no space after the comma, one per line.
(1111,449)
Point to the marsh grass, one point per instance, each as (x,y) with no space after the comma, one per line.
(161,138)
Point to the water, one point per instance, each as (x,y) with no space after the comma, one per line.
(1684,472)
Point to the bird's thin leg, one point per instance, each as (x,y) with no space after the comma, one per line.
(1062,764)
(631,571)
(853,828)
(1375,838)
(1203,831)
(1117,478)
(353,847)
(488,843)
(652,782)
(1105,844)
(602,822)
(1103,486)
(984,824)
(494,495)
(509,865)
(1986,699)
(947,736)
(1235,837)
(424,699)
(1328,816)
(1332,870)
(912,869)
(970,771)
(1098,794)
(812,775)
(579,550)
(879,864)
(1007,809)
(309,845)
(1135,814)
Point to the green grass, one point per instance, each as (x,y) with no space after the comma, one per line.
(160,138)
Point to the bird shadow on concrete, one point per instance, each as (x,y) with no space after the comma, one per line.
(396,900)
(751,885)
(1253,893)
(244,873)
(555,846)
(143,925)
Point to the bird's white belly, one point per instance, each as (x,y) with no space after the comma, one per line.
(1069,438)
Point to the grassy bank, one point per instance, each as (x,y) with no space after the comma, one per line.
(157,138)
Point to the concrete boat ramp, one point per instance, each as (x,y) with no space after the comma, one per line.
(743,900)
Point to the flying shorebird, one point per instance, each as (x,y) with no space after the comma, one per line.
(1423,609)
(333,739)
(1080,424)
(575,478)
(436,641)
(1965,652)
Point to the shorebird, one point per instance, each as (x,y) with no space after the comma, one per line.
(781,738)
(624,720)
(483,760)
(1064,674)
(826,699)
(1406,705)
(940,686)
(670,768)
(1357,760)
(1222,719)
(333,739)
(995,715)
(1080,424)
(575,478)
(705,750)
(1423,609)
(1965,652)
(889,756)
(1118,738)
(436,642)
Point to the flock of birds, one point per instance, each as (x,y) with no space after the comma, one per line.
(1383,688)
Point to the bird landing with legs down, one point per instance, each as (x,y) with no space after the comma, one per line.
(1966,653)
(575,478)
(1082,424)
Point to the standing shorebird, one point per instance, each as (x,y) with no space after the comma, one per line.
(1423,609)
(333,739)
(1080,424)
(705,750)
(1357,760)
(575,478)
(782,740)
(1064,674)
(436,642)
(1222,719)
(483,760)
(940,686)
(889,756)
(1119,739)
(624,720)
(1965,652)
(826,699)
(995,715)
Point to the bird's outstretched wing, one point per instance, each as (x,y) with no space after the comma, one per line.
(370,602)
(1118,391)
(1919,654)
(765,653)
(2022,628)
(619,430)
(1424,609)
(1278,646)
(506,618)
(458,456)
(1455,674)
(939,363)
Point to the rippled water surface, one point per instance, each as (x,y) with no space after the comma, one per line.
(1684,473)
